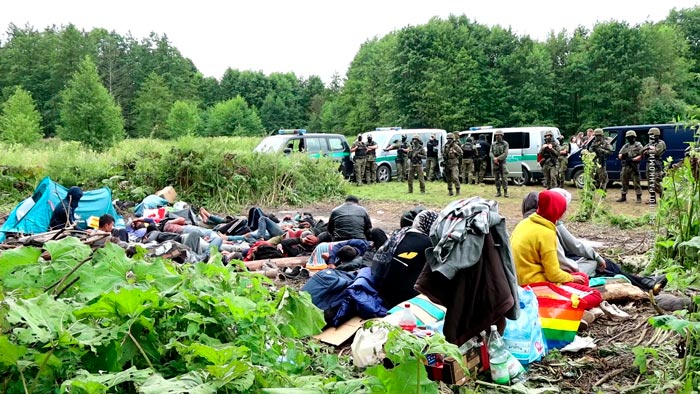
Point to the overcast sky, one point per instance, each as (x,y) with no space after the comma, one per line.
(310,36)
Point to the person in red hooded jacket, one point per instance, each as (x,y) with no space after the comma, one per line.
(534,244)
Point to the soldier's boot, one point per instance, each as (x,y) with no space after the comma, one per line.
(457,191)
(639,198)
(622,198)
(498,192)
(505,193)
(449,192)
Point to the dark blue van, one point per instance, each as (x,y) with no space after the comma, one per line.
(676,136)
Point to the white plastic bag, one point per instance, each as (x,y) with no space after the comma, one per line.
(368,346)
(523,337)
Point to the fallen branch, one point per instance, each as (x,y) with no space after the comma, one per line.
(608,376)
(641,337)
(256,265)
(634,387)
(627,331)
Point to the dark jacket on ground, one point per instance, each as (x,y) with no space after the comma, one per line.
(406,265)
(359,299)
(64,213)
(475,298)
(349,221)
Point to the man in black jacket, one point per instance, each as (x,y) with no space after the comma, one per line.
(349,221)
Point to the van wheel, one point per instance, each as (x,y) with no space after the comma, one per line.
(383,173)
(522,180)
(578,178)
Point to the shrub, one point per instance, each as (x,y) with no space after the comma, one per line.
(20,122)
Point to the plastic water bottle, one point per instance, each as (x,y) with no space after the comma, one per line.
(407,320)
(498,358)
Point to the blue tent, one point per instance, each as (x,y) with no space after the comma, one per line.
(32,215)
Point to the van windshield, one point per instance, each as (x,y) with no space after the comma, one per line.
(272,144)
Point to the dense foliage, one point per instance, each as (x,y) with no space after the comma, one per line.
(449,73)
(220,173)
(20,122)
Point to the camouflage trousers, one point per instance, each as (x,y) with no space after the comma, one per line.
(416,169)
(371,169)
(563,166)
(601,178)
(400,171)
(551,175)
(452,174)
(432,171)
(468,171)
(483,163)
(630,173)
(500,174)
(360,168)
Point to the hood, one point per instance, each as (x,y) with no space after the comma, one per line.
(530,204)
(74,195)
(564,193)
(551,205)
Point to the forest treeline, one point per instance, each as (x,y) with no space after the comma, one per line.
(448,73)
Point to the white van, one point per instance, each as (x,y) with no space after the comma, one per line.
(385,136)
(524,144)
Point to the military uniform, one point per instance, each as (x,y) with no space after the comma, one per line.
(602,149)
(483,150)
(499,155)
(451,153)
(468,155)
(400,158)
(432,171)
(630,167)
(564,151)
(549,160)
(416,154)
(371,161)
(359,160)
(655,150)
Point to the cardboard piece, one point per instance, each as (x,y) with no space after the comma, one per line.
(454,374)
(336,336)
(168,193)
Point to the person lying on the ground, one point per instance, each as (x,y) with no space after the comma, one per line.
(195,240)
(534,247)
(570,251)
(267,229)
(406,250)
(179,226)
(349,221)
(299,246)
(64,214)
(325,255)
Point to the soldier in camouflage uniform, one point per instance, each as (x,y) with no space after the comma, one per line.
(602,149)
(468,155)
(482,157)
(451,153)
(655,150)
(416,155)
(499,154)
(360,159)
(371,161)
(564,150)
(631,155)
(549,160)
(401,152)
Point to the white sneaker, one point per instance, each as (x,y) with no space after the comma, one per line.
(613,311)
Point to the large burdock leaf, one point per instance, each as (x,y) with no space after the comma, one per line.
(89,383)
(190,383)
(13,258)
(297,316)
(41,319)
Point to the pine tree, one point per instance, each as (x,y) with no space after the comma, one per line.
(20,122)
(89,113)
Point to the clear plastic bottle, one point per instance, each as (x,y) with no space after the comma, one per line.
(407,320)
(498,358)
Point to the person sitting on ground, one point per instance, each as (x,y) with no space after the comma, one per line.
(106,226)
(575,255)
(395,285)
(349,221)
(64,214)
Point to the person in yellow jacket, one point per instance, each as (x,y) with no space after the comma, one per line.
(534,244)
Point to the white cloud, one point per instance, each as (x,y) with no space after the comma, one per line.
(311,36)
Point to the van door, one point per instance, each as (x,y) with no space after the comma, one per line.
(517,141)
(616,139)
(339,151)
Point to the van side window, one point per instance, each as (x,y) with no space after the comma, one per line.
(518,140)
(336,144)
(313,145)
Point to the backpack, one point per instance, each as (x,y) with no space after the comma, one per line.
(327,285)
(319,227)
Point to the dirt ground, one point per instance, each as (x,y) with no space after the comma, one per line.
(608,368)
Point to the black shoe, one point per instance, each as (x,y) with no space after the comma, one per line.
(655,283)
(622,198)
(457,192)
(498,194)
(505,194)
(450,193)
(639,198)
